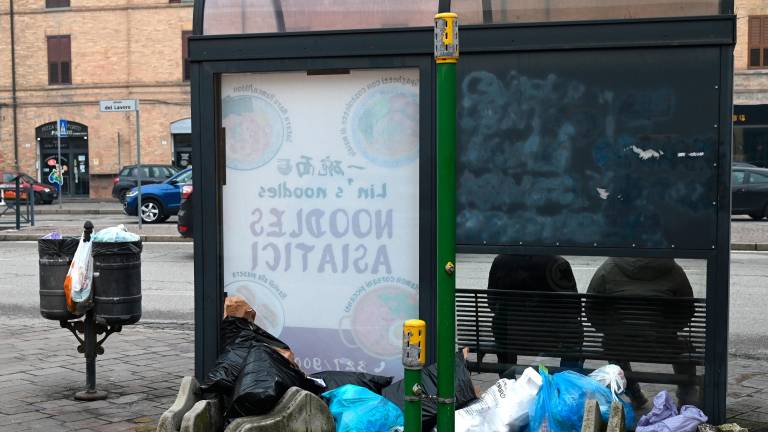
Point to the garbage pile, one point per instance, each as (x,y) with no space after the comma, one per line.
(256,369)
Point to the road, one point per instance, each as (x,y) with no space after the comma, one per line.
(167,280)
(168,293)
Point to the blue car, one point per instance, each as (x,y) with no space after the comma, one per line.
(158,201)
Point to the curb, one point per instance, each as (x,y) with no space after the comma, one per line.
(78,212)
(749,246)
(144,238)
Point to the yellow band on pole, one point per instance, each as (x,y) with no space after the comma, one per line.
(446,37)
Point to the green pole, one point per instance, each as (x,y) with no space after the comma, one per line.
(414,336)
(446,56)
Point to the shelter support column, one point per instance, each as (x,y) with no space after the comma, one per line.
(446,56)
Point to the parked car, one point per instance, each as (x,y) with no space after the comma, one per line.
(749,192)
(184,224)
(158,201)
(150,174)
(743,164)
(44,194)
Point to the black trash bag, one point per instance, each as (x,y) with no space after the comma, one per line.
(336,379)
(63,247)
(233,327)
(264,379)
(221,379)
(117,248)
(465,391)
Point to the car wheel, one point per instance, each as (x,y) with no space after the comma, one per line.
(123,193)
(151,212)
(756,216)
(38,198)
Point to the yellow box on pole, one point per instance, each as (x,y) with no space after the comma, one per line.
(414,338)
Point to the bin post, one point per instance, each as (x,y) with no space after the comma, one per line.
(446,56)
(18,204)
(414,353)
(90,393)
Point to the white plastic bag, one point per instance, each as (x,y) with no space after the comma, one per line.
(503,407)
(611,376)
(77,284)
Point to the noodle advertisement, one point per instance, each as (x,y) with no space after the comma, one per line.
(320,210)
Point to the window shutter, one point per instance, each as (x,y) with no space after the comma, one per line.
(65,59)
(755,27)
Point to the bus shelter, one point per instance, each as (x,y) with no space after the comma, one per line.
(586,128)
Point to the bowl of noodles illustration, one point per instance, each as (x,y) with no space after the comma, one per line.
(270,314)
(384,125)
(255,131)
(375,323)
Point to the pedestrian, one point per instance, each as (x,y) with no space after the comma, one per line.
(643,277)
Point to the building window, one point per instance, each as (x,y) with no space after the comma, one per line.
(185,54)
(59,60)
(758,42)
(50,4)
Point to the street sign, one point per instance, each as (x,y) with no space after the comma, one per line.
(63,124)
(128,105)
(118,105)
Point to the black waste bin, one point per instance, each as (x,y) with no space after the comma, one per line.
(117,282)
(55,256)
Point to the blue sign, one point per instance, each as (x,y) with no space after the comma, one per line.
(63,124)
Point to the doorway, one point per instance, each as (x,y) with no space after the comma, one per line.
(74,157)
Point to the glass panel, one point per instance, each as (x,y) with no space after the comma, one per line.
(757,178)
(320,210)
(577,312)
(737,177)
(754,57)
(65,78)
(765,56)
(53,73)
(509,11)
(754,145)
(563,148)
(264,16)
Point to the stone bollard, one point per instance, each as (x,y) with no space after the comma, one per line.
(297,411)
(593,420)
(617,420)
(188,396)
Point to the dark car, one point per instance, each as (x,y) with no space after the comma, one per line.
(185,211)
(749,192)
(150,174)
(158,201)
(44,194)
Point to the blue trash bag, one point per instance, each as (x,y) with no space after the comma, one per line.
(357,409)
(559,406)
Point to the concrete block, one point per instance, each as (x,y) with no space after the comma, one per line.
(731,427)
(189,394)
(297,411)
(205,415)
(617,420)
(593,421)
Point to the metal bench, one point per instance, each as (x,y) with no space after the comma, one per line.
(578,326)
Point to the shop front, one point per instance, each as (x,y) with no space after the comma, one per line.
(750,134)
(74,157)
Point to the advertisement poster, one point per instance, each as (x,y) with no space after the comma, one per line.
(320,208)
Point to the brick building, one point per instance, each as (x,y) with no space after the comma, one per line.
(750,95)
(69,54)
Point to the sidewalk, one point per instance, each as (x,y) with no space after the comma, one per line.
(69,221)
(40,370)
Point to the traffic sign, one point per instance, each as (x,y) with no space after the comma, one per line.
(63,124)
(118,105)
